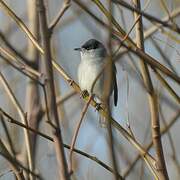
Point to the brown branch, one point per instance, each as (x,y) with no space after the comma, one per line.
(20,24)
(50,90)
(163,132)
(65,6)
(120,128)
(8,135)
(131,47)
(32,100)
(155,127)
(14,50)
(121,33)
(148,158)
(22,66)
(22,116)
(93,158)
(107,91)
(150,31)
(172,27)
(4,152)
(168,87)
(76,134)
(167,11)
(153,29)
(21,69)
(60,100)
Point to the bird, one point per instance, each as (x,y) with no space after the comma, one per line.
(93,59)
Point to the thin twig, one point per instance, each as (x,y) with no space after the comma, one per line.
(21,70)
(121,33)
(4,152)
(131,47)
(153,29)
(76,134)
(22,116)
(20,23)
(8,135)
(93,158)
(14,50)
(163,55)
(103,112)
(60,100)
(23,66)
(163,131)
(167,11)
(172,27)
(168,87)
(65,6)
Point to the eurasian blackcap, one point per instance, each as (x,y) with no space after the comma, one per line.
(93,62)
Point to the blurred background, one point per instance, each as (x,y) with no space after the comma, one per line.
(73,29)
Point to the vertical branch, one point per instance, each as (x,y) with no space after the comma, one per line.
(32,92)
(160,162)
(50,89)
(108,87)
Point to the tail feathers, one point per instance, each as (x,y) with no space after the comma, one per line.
(115,91)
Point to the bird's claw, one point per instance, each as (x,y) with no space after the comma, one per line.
(98,106)
(84,94)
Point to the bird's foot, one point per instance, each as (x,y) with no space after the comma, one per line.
(98,106)
(84,94)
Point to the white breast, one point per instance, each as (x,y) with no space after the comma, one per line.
(87,72)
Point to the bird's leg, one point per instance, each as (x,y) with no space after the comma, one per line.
(84,94)
(98,106)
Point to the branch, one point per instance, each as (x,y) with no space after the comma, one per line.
(172,27)
(15,51)
(76,133)
(20,24)
(163,132)
(93,158)
(22,116)
(32,99)
(4,152)
(148,159)
(155,128)
(120,33)
(66,5)
(131,45)
(22,66)
(51,96)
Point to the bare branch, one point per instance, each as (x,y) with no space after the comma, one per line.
(22,116)
(161,166)
(93,158)
(65,6)
(50,90)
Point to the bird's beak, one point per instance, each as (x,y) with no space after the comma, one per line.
(77,49)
